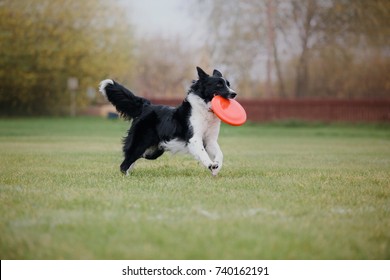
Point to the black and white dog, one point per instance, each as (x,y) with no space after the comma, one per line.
(191,127)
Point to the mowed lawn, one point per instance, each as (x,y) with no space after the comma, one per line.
(286,191)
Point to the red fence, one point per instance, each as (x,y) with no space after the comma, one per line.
(311,110)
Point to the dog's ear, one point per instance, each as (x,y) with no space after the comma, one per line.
(216,73)
(202,74)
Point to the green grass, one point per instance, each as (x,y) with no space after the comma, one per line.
(286,191)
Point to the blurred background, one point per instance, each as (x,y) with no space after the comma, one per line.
(53,53)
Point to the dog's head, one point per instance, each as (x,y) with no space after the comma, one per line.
(209,86)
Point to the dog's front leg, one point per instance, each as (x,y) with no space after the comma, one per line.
(215,154)
(196,148)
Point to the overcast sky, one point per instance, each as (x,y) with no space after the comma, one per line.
(167,18)
(172,19)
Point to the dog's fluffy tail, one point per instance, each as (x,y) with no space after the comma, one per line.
(126,103)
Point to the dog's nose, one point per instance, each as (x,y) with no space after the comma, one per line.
(233,95)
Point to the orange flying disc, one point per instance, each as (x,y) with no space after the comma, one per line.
(228,110)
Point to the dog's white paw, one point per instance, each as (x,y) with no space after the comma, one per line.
(215,167)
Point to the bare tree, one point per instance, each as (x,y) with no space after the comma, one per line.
(302,48)
(163,71)
(246,42)
(304,15)
(272,10)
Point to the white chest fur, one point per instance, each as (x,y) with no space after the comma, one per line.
(205,123)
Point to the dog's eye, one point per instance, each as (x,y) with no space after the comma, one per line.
(228,84)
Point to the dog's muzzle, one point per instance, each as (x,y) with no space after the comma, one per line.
(230,95)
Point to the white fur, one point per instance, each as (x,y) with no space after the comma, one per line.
(205,124)
(102,86)
(175,146)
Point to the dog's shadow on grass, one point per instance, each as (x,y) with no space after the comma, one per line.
(168,171)
(174,171)
(176,167)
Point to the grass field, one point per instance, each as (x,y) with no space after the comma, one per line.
(286,191)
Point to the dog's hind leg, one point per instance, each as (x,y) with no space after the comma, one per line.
(134,152)
(129,170)
(153,153)
(126,166)
(136,148)
(141,139)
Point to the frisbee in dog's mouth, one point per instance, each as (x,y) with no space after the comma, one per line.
(228,110)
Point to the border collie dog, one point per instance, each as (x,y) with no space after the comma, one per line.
(190,127)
